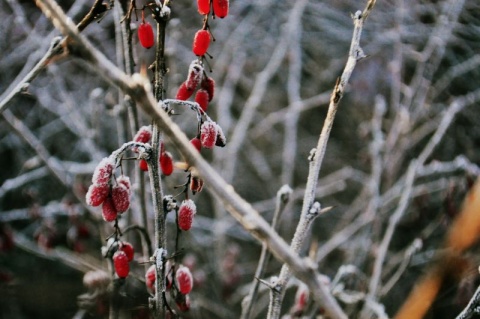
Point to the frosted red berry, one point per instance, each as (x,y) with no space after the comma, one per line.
(121,198)
(143,165)
(120,263)
(202,98)
(184,280)
(109,213)
(183,92)
(144,134)
(150,278)
(103,171)
(195,75)
(220,8)
(186,212)
(166,163)
(183,302)
(127,248)
(196,143)
(201,41)
(208,84)
(96,194)
(203,6)
(145,35)
(208,134)
(125,181)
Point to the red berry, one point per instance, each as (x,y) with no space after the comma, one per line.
(196,184)
(109,212)
(120,263)
(184,280)
(221,139)
(195,74)
(186,212)
(150,278)
(127,248)
(103,171)
(144,134)
(220,8)
(196,143)
(183,92)
(125,181)
(203,6)
(121,198)
(208,134)
(143,165)
(201,97)
(166,163)
(208,84)
(145,35)
(96,194)
(201,41)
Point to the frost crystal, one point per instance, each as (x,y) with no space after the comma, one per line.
(195,74)
(144,134)
(184,280)
(97,194)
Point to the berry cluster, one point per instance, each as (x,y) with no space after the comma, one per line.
(144,136)
(179,287)
(220,7)
(115,197)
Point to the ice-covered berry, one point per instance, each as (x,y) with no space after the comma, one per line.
(121,198)
(125,181)
(144,134)
(120,263)
(183,92)
(196,143)
(201,97)
(186,212)
(220,8)
(127,248)
(143,165)
(166,163)
(195,74)
(184,280)
(203,6)
(146,35)
(109,213)
(150,278)
(201,42)
(103,171)
(208,134)
(96,194)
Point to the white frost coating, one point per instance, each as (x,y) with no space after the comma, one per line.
(208,134)
(189,205)
(221,139)
(144,134)
(165,12)
(195,74)
(125,181)
(103,171)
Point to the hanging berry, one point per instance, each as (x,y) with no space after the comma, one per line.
(166,163)
(103,171)
(196,143)
(203,6)
(220,8)
(109,213)
(186,212)
(143,165)
(145,33)
(120,263)
(120,198)
(127,248)
(183,92)
(201,97)
(201,41)
(208,134)
(184,280)
(195,75)
(144,134)
(208,84)
(150,278)
(97,193)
